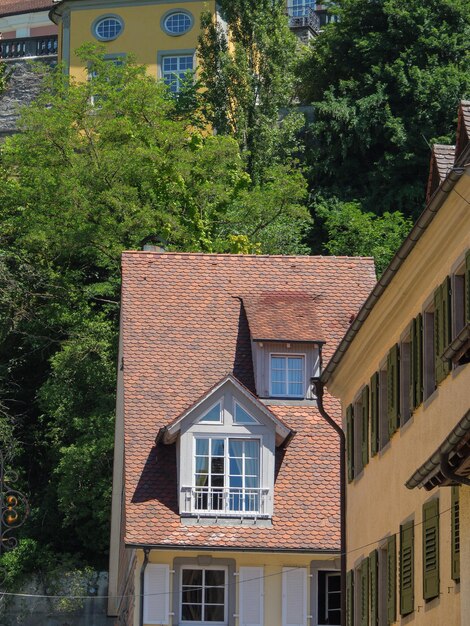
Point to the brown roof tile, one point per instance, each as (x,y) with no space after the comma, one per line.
(442,161)
(183,329)
(287,315)
(13,7)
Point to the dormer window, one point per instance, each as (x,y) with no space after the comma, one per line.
(241,416)
(287,376)
(213,415)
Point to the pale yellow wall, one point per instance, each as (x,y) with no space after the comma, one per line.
(378,501)
(465,555)
(142,35)
(272,563)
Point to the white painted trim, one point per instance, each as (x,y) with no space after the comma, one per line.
(287,356)
(234,413)
(221,414)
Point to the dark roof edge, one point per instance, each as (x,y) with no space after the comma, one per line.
(176,546)
(453,439)
(426,217)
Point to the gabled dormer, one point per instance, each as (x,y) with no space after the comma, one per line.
(463,128)
(226,445)
(442,161)
(286,336)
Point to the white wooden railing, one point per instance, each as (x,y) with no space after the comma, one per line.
(225,501)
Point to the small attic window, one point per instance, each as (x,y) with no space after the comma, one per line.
(240,416)
(287,376)
(213,415)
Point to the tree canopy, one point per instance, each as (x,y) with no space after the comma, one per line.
(385,82)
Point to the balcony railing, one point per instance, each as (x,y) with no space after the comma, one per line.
(305,17)
(28,47)
(225,501)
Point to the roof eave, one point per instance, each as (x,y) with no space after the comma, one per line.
(426,217)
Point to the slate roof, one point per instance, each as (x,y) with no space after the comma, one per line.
(288,315)
(442,161)
(463,126)
(15,7)
(183,329)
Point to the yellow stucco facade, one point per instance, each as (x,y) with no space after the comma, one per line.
(143,34)
(272,565)
(378,501)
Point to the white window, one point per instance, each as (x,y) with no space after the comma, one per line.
(227,475)
(108,27)
(241,415)
(176,70)
(177,23)
(329,598)
(299,8)
(203,595)
(213,415)
(287,376)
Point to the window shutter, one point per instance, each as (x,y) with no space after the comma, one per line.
(364,607)
(374,414)
(407,568)
(251,596)
(455,540)
(431,549)
(350,441)
(294,596)
(373,588)
(391,579)
(442,329)
(350,598)
(157,594)
(467,287)
(393,390)
(365,425)
(419,360)
(415,363)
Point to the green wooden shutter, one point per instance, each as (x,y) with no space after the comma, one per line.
(416,362)
(393,390)
(350,598)
(350,441)
(391,579)
(442,329)
(373,589)
(467,286)
(407,568)
(431,549)
(455,540)
(374,414)
(365,425)
(364,606)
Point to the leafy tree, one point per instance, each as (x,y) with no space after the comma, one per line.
(247,74)
(350,231)
(100,167)
(385,81)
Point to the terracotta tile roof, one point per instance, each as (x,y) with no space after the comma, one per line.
(442,161)
(183,329)
(13,7)
(288,315)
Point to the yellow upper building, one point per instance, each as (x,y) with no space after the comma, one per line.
(403,376)
(161,35)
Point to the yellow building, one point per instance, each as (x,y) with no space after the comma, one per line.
(226,476)
(161,34)
(403,376)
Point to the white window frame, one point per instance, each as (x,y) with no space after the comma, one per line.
(221,416)
(226,485)
(234,420)
(169,14)
(101,18)
(180,602)
(329,574)
(286,356)
(170,54)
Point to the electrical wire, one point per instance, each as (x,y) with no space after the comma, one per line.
(196,588)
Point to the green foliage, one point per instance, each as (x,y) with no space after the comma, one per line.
(100,167)
(247,81)
(3,77)
(385,82)
(351,231)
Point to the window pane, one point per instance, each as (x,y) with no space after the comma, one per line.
(236,467)
(217,480)
(217,465)
(191,612)
(202,446)
(242,417)
(235,448)
(202,480)
(252,481)
(215,577)
(236,482)
(278,363)
(192,595)
(214,415)
(251,467)
(214,613)
(278,389)
(252,449)
(334,583)
(295,376)
(202,464)
(296,389)
(192,577)
(217,447)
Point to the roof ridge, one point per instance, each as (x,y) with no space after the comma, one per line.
(244,256)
